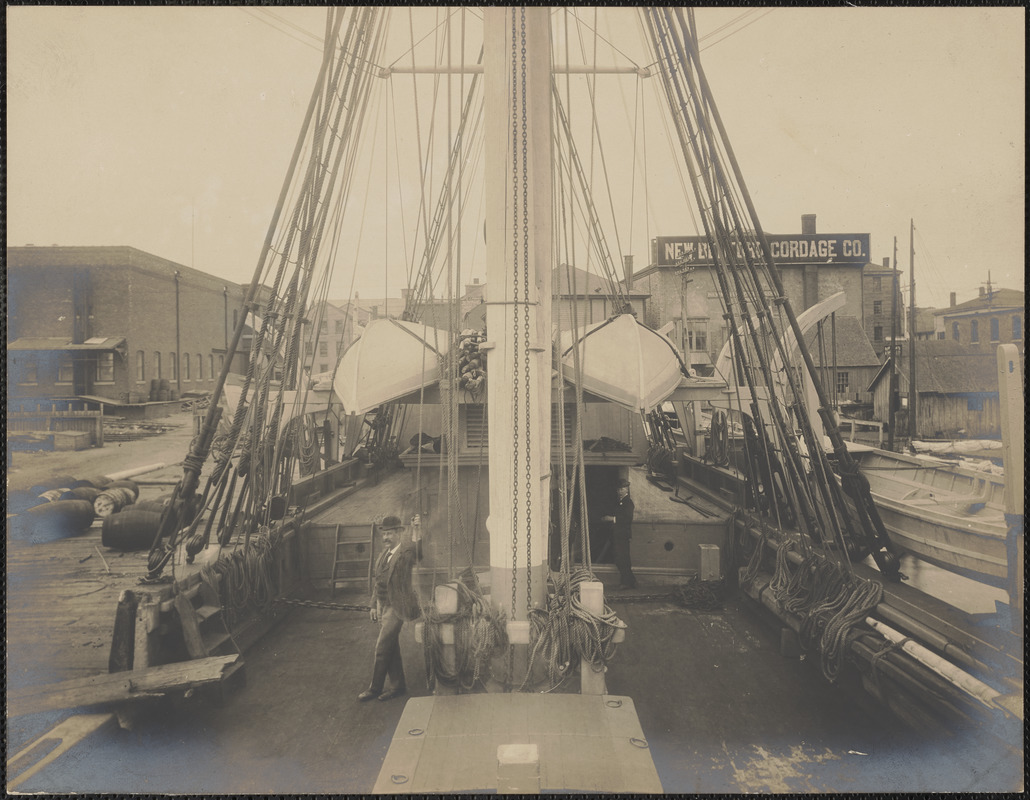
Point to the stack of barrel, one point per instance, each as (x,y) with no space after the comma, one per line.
(135,527)
(62,506)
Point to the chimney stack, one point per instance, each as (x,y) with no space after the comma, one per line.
(627,268)
(808,223)
(983,292)
(886,262)
(952,300)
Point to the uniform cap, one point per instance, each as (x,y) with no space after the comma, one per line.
(621,483)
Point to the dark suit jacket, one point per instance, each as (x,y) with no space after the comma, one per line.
(395,575)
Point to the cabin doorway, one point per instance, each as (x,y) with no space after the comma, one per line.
(600,501)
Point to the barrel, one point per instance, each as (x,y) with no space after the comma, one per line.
(158,505)
(55,482)
(155,387)
(100,481)
(56,520)
(132,529)
(19,500)
(163,395)
(81,482)
(125,483)
(53,494)
(81,493)
(112,500)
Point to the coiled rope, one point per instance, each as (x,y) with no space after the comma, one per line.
(479,636)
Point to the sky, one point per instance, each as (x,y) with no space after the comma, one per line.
(170,130)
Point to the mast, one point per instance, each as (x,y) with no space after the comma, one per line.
(517,98)
(912,395)
(893,390)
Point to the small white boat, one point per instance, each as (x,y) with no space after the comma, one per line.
(945,514)
(624,361)
(392,358)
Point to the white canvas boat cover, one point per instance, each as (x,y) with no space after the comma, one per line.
(624,361)
(391,359)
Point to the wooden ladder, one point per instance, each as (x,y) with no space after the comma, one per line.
(352,560)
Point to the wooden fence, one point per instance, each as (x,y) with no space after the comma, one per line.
(51,420)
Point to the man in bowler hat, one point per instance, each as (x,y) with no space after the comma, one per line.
(393,602)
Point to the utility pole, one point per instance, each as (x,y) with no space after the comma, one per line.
(892,394)
(913,400)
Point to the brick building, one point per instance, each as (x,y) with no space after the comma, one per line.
(997,316)
(333,326)
(104,322)
(684,291)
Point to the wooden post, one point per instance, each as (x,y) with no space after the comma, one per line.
(124,637)
(591,679)
(147,618)
(446,597)
(1010,395)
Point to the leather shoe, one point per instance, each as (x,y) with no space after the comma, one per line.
(389,694)
(368,694)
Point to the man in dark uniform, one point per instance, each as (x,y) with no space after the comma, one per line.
(621,532)
(393,602)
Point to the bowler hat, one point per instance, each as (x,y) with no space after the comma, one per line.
(391,523)
(621,483)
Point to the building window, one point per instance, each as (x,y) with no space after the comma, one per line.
(842,382)
(173,366)
(65,369)
(697,335)
(186,366)
(200,367)
(323,349)
(877,286)
(105,368)
(974,331)
(877,333)
(877,307)
(323,368)
(954,331)
(29,371)
(157,364)
(141,366)
(221,363)
(995,329)
(339,326)
(323,326)
(1017,328)
(940,335)
(210,367)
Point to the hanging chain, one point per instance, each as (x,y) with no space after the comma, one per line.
(525,325)
(515,328)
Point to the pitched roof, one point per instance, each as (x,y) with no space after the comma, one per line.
(944,366)
(853,346)
(565,278)
(998,299)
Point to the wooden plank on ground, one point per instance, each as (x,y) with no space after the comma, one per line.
(115,686)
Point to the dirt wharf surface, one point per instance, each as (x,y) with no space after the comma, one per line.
(722,710)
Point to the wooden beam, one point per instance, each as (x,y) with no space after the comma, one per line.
(117,686)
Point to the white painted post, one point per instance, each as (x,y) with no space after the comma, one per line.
(711,570)
(591,679)
(1013,430)
(446,597)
